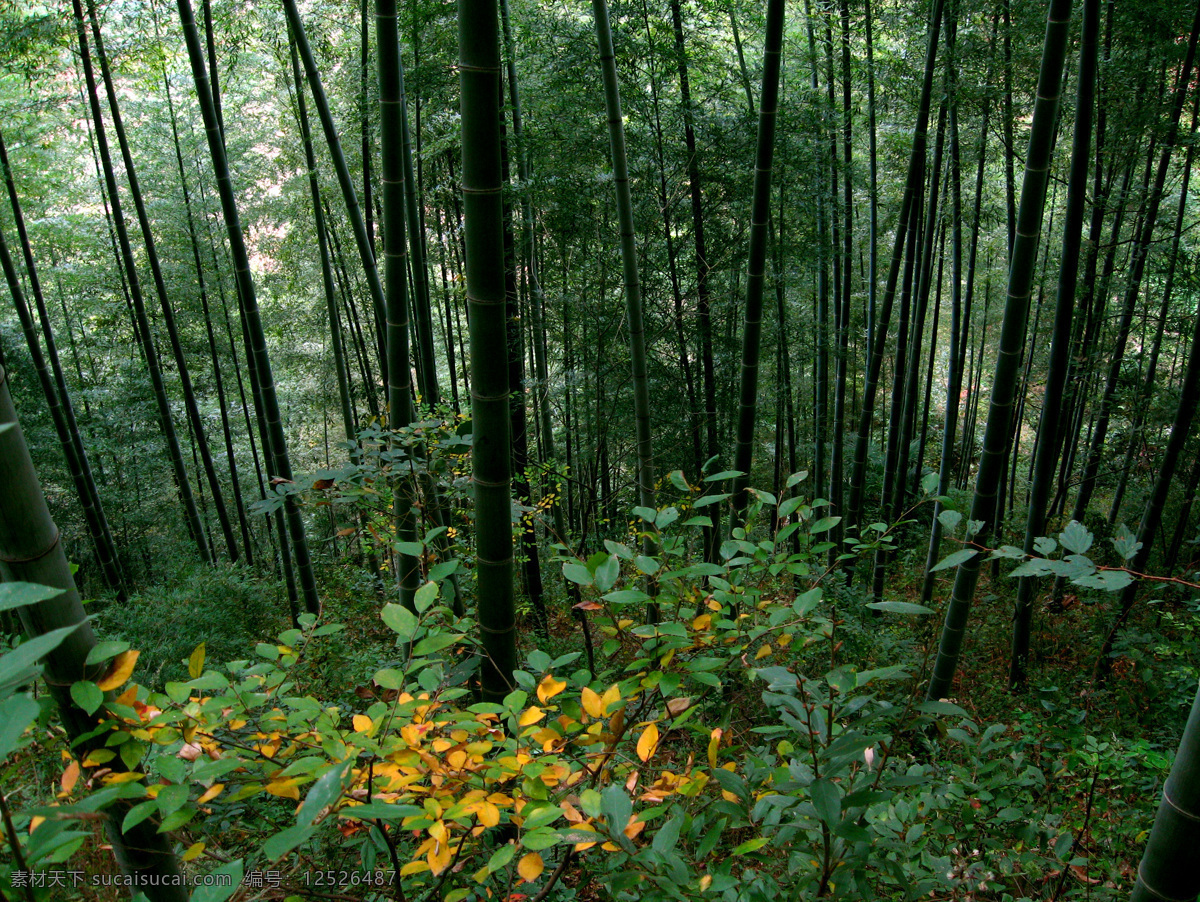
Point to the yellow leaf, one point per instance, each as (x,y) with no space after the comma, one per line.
(703,622)
(531,866)
(549,687)
(127,697)
(592,703)
(763,652)
(647,743)
(120,671)
(96,757)
(705,882)
(196,662)
(285,789)
(127,777)
(193,851)
(714,743)
(611,696)
(34,822)
(70,775)
(362,723)
(211,793)
(414,867)
(533,715)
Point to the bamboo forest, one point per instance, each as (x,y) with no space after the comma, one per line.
(545,450)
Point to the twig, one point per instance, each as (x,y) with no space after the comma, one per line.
(558,872)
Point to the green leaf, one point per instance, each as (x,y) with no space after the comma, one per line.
(750,845)
(286,840)
(711,499)
(501,857)
(1044,545)
(901,607)
(220,888)
(412,549)
(677,480)
(666,517)
(627,596)
(797,478)
(942,707)
(1126,543)
(1104,580)
(323,793)
(804,604)
(790,506)
(18,595)
(443,569)
(953,560)
(824,525)
(929,483)
(425,596)
(16,713)
(435,643)
(646,513)
(577,573)
(138,813)
(827,800)
(724,474)
(949,520)
(647,565)
(1075,537)
(28,653)
(171,798)
(400,620)
(389,678)
(103,651)
(607,573)
(616,807)
(87,695)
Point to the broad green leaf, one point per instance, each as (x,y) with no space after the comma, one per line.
(1075,537)
(577,573)
(647,565)
(824,525)
(1104,580)
(607,573)
(750,845)
(17,595)
(901,607)
(953,560)
(400,620)
(87,695)
(929,483)
(412,549)
(442,570)
(389,678)
(724,474)
(677,480)
(797,478)
(666,517)
(323,793)
(646,513)
(790,506)
(16,713)
(425,596)
(949,520)
(827,800)
(286,840)
(1126,543)
(1044,545)
(28,653)
(435,643)
(218,890)
(711,499)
